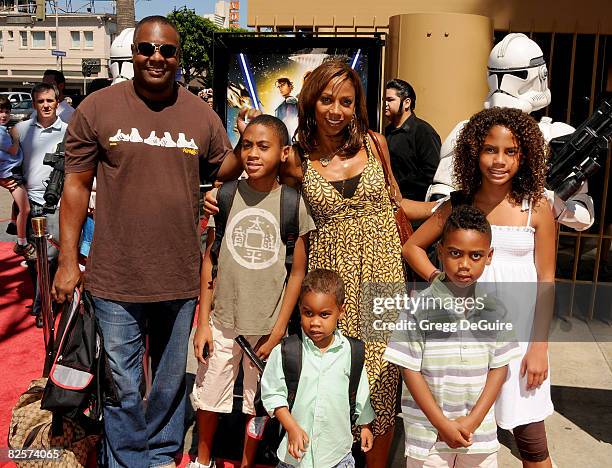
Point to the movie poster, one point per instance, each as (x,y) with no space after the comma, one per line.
(272,83)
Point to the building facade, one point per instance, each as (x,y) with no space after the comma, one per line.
(26,46)
(221,16)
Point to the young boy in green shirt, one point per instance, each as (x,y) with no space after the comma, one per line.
(319,423)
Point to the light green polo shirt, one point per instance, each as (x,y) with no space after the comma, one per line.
(321,405)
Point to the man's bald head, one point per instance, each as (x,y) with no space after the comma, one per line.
(155,19)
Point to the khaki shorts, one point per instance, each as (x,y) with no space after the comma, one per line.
(213,389)
(454,460)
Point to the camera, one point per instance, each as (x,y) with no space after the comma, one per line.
(55,183)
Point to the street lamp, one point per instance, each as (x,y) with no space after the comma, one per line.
(59,63)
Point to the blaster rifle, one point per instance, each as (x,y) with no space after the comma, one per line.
(575,157)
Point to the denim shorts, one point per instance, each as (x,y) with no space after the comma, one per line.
(16,176)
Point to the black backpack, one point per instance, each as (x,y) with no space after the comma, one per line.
(291,353)
(80,376)
(289,220)
(289,229)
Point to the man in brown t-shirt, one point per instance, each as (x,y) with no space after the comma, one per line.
(144,140)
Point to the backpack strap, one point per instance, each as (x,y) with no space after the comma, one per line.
(289,222)
(225,200)
(357,362)
(291,354)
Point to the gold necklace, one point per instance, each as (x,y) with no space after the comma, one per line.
(325,160)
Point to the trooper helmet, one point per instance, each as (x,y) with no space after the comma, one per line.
(517,75)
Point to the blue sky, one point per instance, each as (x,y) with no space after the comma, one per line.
(163,7)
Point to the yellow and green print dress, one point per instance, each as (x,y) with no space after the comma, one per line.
(357,238)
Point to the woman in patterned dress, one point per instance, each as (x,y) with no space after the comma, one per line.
(341,178)
(343,182)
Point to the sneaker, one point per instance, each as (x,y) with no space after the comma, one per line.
(26,251)
(135,136)
(196,464)
(152,139)
(11,229)
(167,141)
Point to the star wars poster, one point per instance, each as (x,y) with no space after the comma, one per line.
(271,82)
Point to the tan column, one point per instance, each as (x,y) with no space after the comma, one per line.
(444,57)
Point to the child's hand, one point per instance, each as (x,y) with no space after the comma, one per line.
(245,113)
(210,204)
(468,422)
(535,365)
(203,340)
(266,344)
(14,134)
(297,442)
(367,438)
(454,434)
(8,183)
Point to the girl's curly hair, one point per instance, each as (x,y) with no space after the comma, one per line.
(528,182)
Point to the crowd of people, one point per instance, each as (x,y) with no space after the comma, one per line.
(309,227)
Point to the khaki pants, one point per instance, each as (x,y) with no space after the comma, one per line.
(454,460)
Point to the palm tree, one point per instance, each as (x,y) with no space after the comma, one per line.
(126,17)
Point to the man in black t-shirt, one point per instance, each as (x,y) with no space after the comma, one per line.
(414,145)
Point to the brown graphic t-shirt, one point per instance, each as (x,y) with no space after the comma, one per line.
(145,246)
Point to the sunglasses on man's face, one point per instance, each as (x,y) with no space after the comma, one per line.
(148,49)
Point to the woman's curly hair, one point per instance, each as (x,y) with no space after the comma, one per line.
(528,182)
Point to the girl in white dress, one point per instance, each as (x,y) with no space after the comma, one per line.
(500,167)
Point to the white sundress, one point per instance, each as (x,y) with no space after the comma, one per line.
(514,262)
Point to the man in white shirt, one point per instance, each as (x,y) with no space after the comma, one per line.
(37,136)
(64,110)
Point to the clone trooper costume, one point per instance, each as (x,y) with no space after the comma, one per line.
(517,77)
(121,66)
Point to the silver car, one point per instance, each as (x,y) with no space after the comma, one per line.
(17,96)
(21,110)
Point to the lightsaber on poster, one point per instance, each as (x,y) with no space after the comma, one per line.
(355,59)
(250,81)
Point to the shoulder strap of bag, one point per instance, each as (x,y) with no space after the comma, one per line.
(384,162)
(357,362)
(225,200)
(289,222)
(291,354)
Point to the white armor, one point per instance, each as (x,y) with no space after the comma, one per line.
(121,66)
(518,79)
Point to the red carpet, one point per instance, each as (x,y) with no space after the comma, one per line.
(21,343)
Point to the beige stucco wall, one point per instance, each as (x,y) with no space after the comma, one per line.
(444,56)
(517,15)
